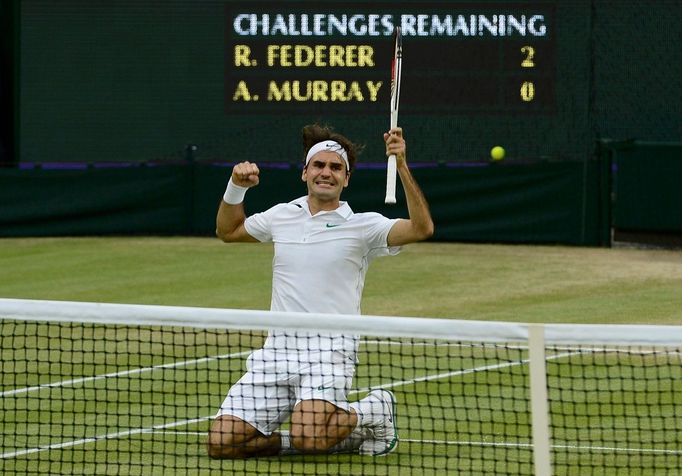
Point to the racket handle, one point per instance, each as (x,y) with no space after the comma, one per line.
(391,171)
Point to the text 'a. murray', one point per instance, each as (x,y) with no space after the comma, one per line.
(317,90)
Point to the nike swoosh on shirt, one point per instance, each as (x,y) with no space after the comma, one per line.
(331,225)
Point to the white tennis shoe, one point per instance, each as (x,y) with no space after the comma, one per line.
(385,436)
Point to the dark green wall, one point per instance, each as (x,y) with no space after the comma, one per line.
(519,203)
(637,65)
(136,200)
(9,25)
(646,187)
(630,186)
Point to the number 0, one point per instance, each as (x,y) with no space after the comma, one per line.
(527,91)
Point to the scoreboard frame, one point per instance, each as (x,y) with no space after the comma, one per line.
(300,58)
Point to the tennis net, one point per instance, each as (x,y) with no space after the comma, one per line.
(128,389)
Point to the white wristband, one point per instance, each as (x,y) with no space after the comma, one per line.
(234,194)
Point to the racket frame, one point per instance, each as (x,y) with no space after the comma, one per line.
(396,73)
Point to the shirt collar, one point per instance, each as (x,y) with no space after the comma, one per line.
(344,210)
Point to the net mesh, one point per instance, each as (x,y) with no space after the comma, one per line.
(617,408)
(134,398)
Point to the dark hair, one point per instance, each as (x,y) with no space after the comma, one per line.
(314,133)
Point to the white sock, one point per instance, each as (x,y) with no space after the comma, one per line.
(348,445)
(285,447)
(352,442)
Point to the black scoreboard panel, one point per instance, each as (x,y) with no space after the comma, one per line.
(490,58)
(139,80)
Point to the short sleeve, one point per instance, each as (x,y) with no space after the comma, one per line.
(376,233)
(259,225)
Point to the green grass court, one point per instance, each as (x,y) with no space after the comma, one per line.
(462,409)
(449,280)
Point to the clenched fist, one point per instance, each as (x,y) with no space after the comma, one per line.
(245,174)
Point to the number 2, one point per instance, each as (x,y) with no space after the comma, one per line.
(528,62)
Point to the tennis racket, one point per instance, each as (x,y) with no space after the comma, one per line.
(396,66)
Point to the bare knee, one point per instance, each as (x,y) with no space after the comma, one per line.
(309,444)
(318,425)
(222,445)
(232,438)
(228,438)
(224,451)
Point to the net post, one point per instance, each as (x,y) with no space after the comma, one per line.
(538,400)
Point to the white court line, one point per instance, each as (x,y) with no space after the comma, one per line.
(188,422)
(73,382)
(500,444)
(461,372)
(576,349)
(530,445)
(124,373)
(108,436)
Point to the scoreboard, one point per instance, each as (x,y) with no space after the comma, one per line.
(490,58)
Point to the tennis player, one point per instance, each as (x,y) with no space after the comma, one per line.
(321,253)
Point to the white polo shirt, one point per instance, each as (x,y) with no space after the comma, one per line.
(319,265)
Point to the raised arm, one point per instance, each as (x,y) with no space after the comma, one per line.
(231,216)
(419,225)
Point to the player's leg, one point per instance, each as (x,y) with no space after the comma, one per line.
(368,427)
(256,405)
(231,437)
(317,426)
(322,417)
(323,420)
(376,413)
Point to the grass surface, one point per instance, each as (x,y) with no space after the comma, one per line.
(487,282)
(462,410)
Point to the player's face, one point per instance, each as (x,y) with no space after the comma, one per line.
(326,176)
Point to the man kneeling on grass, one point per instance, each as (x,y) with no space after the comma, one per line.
(321,253)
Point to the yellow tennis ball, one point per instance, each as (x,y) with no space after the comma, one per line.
(497,153)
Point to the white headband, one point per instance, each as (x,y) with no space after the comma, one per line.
(331,146)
